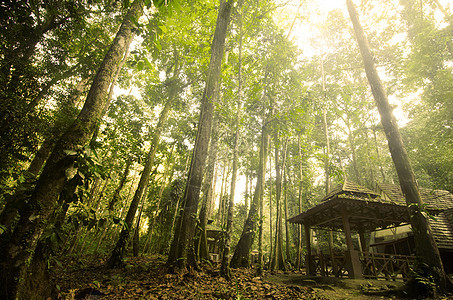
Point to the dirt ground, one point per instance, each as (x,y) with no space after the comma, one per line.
(148,278)
(342,288)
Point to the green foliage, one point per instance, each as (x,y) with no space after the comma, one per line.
(422,282)
(43,44)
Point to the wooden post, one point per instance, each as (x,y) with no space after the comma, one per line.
(363,242)
(364,247)
(332,254)
(308,258)
(347,231)
(353,264)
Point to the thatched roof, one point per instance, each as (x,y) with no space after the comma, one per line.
(350,190)
(442,227)
(435,200)
(366,210)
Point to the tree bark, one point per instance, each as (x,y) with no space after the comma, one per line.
(278,263)
(426,247)
(285,205)
(241,256)
(9,213)
(271,219)
(225,267)
(202,249)
(116,258)
(136,238)
(299,226)
(42,203)
(185,246)
(167,177)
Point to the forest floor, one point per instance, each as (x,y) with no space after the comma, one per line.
(147,278)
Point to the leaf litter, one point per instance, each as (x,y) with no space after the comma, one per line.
(147,278)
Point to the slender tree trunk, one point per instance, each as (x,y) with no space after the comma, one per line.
(271,235)
(378,157)
(351,139)
(220,211)
(116,258)
(225,267)
(176,225)
(168,174)
(260,267)
(426,247)
(119,188)
(369,163)
(246,194)
(299,226)
(285,204)
(42,203)
(225,198)
(136,239)
(241,256)
(185,246)
(278,261)
(326,134)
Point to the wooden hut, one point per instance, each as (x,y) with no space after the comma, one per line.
(439,205)
(351,208)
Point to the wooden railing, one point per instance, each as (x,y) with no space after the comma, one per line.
(374,265)
(388,266)
(323,265)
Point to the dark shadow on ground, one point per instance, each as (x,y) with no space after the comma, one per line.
(344,288)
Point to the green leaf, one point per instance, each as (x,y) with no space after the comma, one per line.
(163,28)
(140,65)
(70,152)
(70,172)
(2,229)
(158,45)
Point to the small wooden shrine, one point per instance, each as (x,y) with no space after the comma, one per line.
(214,236)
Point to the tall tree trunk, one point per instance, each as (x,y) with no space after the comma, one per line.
(9,213)
(225,267)
(285,205)
(42,203)
(241,256)
(246,193)
(260,267)
(299,226)
(202,248)
(378,157)
(220,211)
(351,140)
(426,247)
(136,238)
(271,219)
(326,133)
(278,261)
(166,180)
(368,157)
(114,200)
(116,258)
(176,224)
(185,246)
(47,146)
